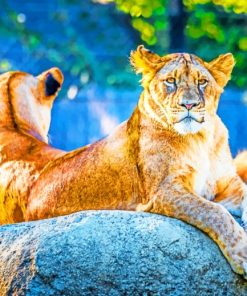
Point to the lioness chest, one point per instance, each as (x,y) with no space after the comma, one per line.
(191,166)
(204,183)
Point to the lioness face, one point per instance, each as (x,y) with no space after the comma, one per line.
(32,99)
(184,90)
(181,90)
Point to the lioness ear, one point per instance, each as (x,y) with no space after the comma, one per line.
(53,79)
(221,68)
(144,60)
(51,85)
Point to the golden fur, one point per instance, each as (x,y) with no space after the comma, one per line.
(24,122)
(241,165)
(171,157)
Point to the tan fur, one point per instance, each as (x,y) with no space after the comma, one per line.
(160,160)
(24,124)
(241,165)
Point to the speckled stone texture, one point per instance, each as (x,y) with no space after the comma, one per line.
(112,253)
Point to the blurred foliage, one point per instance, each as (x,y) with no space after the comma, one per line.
(213,27)
(212,30)
(61,43)
(147,17)
(238,6)
(141,11)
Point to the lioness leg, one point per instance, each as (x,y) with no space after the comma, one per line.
(232,194)
(210,217)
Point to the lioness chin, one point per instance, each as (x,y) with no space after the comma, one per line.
(171,157)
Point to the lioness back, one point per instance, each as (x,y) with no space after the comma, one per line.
(102,176)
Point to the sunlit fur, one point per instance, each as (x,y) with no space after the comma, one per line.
(25,113)
(151,162)
(241,165)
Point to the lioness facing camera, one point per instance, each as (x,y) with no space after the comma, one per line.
(171,157)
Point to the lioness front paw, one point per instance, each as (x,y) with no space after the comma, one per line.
(239,261)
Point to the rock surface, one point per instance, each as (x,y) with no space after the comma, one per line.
(112,253)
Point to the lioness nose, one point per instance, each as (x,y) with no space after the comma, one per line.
(190,105)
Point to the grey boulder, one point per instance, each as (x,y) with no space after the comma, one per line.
(112,253)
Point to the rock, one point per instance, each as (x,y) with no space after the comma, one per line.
(112,253)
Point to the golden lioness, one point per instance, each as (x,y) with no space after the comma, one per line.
(171,157)
(25,111)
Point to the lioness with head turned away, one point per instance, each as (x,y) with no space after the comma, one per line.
(171,157)
(25,112)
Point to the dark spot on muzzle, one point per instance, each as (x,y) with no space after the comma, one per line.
(51,85)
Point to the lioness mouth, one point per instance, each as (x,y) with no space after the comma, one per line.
(189,119)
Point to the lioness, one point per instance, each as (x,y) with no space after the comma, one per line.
(171,157)
(241,164)
(25,111)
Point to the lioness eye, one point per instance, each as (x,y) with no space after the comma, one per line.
(170,80)
(202,82)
